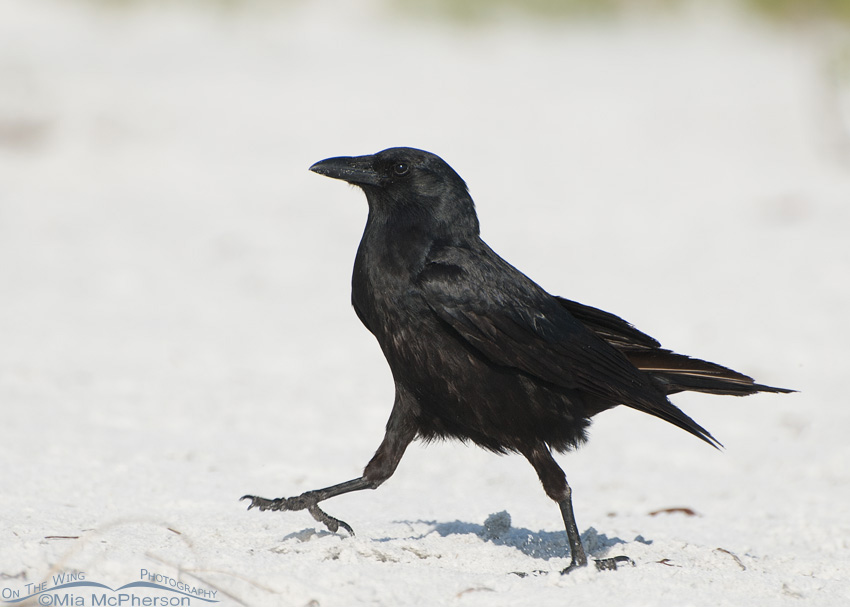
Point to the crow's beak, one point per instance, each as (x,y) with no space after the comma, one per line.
(357,170)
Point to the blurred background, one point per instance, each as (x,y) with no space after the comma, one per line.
(154,156)
(174,283)
(684,164)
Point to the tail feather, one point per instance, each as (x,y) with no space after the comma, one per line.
(677,373)
(672,414)
(670,372)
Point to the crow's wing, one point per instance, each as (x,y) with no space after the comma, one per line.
(512,322)
(610,327)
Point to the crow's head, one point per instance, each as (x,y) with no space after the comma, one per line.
(409,182)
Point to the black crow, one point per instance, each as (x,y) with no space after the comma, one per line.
(481,353)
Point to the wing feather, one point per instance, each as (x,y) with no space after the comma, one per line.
(513,322)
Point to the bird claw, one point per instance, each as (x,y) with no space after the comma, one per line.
(330,522)
(572,567)
(610,564)
(301,502)
(305,501)
(258,502)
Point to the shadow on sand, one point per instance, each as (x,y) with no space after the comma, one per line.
(536,544)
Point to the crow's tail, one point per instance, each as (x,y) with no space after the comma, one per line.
(673,373)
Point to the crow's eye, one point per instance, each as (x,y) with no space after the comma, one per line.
(401,168)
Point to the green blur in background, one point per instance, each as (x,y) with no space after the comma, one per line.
(473,10)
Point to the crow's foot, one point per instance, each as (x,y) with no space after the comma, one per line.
(306,501)
(610,564)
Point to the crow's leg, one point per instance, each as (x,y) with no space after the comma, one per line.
(400,432)
(577,556)
(555,484)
